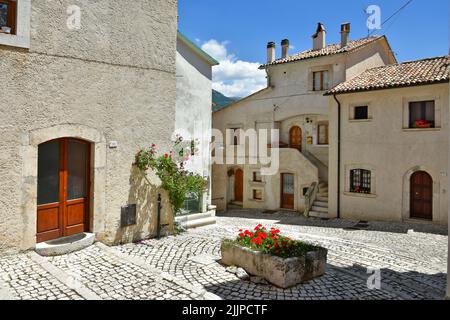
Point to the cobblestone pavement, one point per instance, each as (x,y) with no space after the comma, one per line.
(412,259)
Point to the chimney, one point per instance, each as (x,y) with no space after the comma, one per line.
(319,41)
(345,32)
(284,48)
(270,52)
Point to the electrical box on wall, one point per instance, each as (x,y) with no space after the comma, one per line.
(128,215)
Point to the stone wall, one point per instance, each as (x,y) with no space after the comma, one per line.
(116,77)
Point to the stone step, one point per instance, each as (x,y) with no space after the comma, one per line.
(190,217)
(319,209)
(315,214)
(323,204)
(65,245)
(199,222)
(322,198)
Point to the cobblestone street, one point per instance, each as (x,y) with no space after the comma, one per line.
(412,259)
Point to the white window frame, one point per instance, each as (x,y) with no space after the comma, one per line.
(22,37)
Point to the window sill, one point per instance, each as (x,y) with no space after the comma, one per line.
(257,183)
(360,120)
(420,129)
(12,40)
(360,195)
(322,145)
(256,200)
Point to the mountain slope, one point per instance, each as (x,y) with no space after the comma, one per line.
(220,101)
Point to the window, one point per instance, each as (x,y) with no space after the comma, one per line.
(257,194)
(192,147)
(361,113)
(421,114)
(320,81)
(360,181)
(322,134)
(235,136)
(257,176)
(8,14)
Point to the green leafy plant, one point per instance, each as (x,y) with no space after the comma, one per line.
(170,168)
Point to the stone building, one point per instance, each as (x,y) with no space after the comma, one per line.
(193,120)
(294,103)
(389,143)
(83,88)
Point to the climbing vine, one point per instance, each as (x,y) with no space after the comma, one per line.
(170,168)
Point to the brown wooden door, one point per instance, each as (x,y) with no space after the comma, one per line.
(239,185)
(421,196)
(295,138)
(287,191)
(63,188)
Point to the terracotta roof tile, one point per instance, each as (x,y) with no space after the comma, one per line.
(326,51)
(412,73)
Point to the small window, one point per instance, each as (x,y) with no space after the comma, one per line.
(257,176)
(421,114)
(320,81)
(235,136)
(257,194)
(322,134)
(360,181)
(192,147)
(8,13)
(361,113)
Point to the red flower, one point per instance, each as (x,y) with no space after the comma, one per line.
(241,235)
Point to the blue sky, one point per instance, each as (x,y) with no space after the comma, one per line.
(237,31)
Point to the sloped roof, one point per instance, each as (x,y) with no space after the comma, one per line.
(326,51)
(197,49)
(411,73)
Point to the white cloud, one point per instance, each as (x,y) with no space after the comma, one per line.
(234,77)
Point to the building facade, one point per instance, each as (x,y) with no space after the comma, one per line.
(77,102)
(294,103)
(193,120)
(389,144)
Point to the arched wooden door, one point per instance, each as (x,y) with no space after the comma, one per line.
(421,196)
(63,188)
(239,185)
(295,138)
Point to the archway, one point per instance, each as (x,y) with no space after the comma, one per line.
(295,138)
(421,196)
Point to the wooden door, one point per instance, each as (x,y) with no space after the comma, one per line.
(287,191)
(63,188)
(295,138)
(421,196)
(239,185)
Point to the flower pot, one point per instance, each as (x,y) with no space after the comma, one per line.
(283,273)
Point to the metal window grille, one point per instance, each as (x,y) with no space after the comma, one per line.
(360,181)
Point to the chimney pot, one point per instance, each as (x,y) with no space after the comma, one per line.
(270,52)
(284,48)
(345,32)
(319,38)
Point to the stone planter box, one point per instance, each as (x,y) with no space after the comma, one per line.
(283,273)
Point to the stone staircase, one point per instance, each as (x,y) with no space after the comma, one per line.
(198,219)
(320,205)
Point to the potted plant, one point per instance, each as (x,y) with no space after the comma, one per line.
(278,259)
(422,124)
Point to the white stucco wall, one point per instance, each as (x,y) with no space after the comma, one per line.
(392,152)
(92,78)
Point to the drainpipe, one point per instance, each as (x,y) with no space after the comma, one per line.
(338,159)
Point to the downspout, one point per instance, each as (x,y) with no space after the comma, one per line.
(338,159)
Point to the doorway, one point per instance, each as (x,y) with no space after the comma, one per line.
(295,138)
(239,185)
(421,206)
(287,191)
(63,188)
